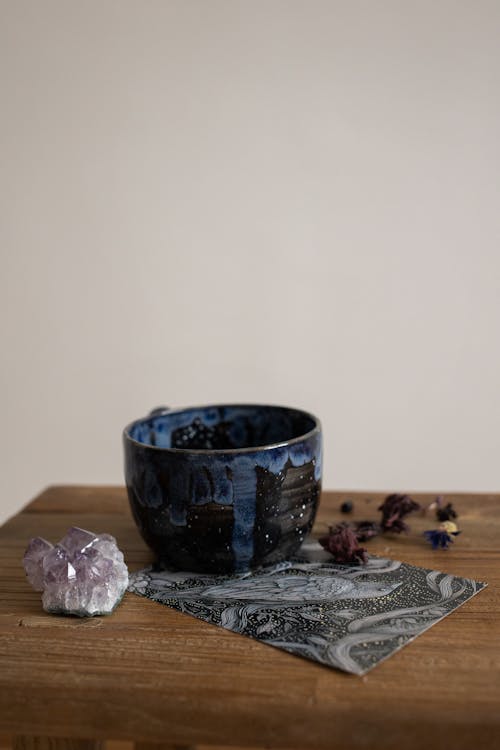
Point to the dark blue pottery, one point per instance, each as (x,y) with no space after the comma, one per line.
(223,489)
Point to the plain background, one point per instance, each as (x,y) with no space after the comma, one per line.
(270,200)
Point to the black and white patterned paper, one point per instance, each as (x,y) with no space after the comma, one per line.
(346,616)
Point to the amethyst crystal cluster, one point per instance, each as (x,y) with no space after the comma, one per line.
(84,574)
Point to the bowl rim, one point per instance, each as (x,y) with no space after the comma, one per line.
(225,451)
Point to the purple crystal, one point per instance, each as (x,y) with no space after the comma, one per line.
(84,574)
(77,540)
(33,561)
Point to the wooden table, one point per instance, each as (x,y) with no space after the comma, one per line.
(149,674)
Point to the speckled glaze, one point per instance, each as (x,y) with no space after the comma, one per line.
(223,489)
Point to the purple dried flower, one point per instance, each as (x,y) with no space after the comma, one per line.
(438,538)
(342,543)
(442,537)
(394,508)
(366,530)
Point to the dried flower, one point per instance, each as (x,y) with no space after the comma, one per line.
(394,508)
(366,530)
(447,513)
(442,537)
(342,543)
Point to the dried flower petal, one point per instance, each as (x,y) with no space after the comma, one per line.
(342,543)
(394,508)
(442,537)
(447,513)
(366,530)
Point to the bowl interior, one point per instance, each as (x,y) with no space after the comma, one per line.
(222,427)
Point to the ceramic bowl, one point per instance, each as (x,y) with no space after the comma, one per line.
(223,489)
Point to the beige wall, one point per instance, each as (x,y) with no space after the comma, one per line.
(294,202)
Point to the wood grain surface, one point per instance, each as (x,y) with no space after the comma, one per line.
(153,675)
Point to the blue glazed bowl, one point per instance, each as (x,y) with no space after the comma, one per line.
(223,489)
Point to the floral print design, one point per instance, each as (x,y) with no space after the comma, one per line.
(346,616)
